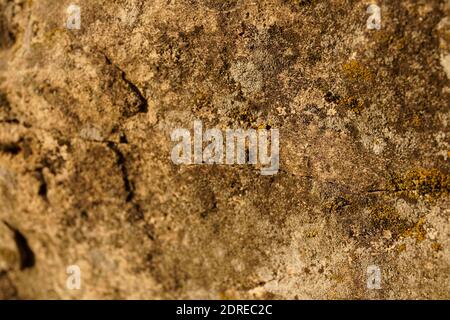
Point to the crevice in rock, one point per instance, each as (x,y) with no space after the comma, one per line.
(128,185)
(27,257)
(212,208)
(10,148)
(10,121)
(42,192)
(135,214)
(7,34)
(123,138)
(143,105)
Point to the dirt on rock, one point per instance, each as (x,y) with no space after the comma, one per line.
(87,180)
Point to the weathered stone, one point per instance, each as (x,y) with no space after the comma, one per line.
(86,177)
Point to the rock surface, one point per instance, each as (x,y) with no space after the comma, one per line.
(86,177)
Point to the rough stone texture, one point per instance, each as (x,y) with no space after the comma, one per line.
(85,170)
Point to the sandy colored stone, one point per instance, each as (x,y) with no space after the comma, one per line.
(85,171)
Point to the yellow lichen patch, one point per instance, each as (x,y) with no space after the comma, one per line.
(248,119)
(415,120)
(401,248)
(54,33)
(201,101)
(401,43)
(244,118)
(436,246)
(357,72)
(422,182)
(351,103)
(417,231)
(304,2)
(388,39)
(311,234)
(337,277)
(262,126)
(227,295)
(385,217)
(383,38)
(337,204)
